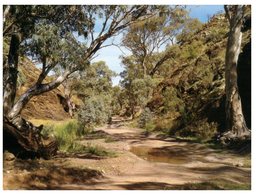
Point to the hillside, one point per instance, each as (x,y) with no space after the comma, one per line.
(44,106)
(193,94)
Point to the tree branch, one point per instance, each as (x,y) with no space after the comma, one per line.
(228,14)
(6,12)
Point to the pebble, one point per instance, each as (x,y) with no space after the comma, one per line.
(239,164)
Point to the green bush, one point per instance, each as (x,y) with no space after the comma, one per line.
(150,126)
(216,35)
(193,50)
(98,151)
(145,118)
(172,103)
(66,135)
(96,111)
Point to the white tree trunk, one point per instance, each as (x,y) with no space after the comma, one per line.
(234,115)
(33,91)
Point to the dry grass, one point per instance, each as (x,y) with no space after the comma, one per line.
(50,122)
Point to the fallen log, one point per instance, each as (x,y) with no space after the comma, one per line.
(24,139)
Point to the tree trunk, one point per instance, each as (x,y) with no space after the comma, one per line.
(33,91)
(20,136)
(234,116)
(23,139)
(10,73)
(144,67)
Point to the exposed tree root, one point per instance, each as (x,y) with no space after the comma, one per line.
(239,142)
(25,140)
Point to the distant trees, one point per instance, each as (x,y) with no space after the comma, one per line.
(145,39)
(234,115)
(151,43)
(189,27)
(94,87)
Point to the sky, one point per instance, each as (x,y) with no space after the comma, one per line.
(111,55)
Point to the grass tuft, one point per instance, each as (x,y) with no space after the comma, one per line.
(67,135)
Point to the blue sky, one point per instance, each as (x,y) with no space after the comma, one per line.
(203,11)
(111,55)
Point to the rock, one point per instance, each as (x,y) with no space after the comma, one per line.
(8,156)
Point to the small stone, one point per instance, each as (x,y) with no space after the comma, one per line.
(8,156)
(238,164)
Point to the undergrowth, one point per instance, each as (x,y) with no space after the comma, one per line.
(68,134)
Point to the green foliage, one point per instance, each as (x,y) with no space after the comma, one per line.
(216,34)
(167,125)
(136,91)
(96,111)
(95,89)
(141,90)
(150,126)
(96,79)
(172,103)
(192,50)
(118,101)
(98,151)
(190,27)
(66,135)
(145,118)
(147,36)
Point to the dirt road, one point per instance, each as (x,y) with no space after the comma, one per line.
(142,162)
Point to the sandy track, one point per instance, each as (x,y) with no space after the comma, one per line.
(128,171)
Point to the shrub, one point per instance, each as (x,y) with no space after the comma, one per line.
(145,118)
(95,112)
(202,130)
(193,50)
(216,35)
(98,151)
(66,135)
(150,126)
(171,102)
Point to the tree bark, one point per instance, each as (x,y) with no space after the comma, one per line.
(235,121)
(24,139)
(10,73)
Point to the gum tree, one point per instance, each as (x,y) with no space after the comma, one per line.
(47,34)
(235,121)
